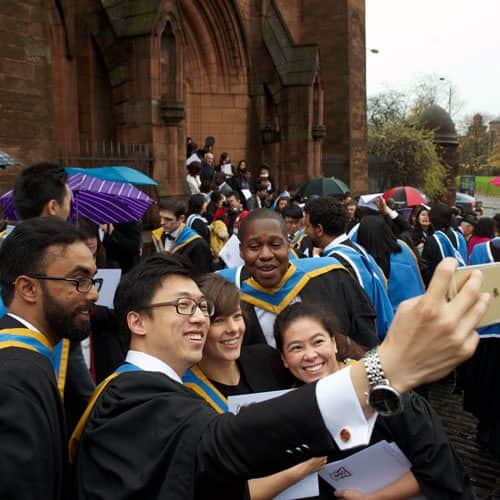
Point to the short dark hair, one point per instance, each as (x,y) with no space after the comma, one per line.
(328,212)
(35,186)
(346,348)
(138,286)
(261,214)
(23,251)
(224,294)
(234,194)
(215,196)
(293,211)
(485,227)
(194,168)
(440,216)
(173,205)
(195,203)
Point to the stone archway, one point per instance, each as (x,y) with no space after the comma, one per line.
(216,74)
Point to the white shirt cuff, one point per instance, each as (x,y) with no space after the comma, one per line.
(342,414)
(393,214)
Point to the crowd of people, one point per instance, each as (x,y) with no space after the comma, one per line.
(348,306)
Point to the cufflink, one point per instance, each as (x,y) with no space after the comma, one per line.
(345,434)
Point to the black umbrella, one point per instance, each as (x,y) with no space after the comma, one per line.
(324,186)
(7,160)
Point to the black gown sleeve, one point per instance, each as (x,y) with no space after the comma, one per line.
(200,255)
(431,257)
(420,435)
(79,386)
(31,431)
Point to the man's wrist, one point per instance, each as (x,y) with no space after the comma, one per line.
(394,370)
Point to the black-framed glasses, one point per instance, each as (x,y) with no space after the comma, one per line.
(82,285)
(186,306)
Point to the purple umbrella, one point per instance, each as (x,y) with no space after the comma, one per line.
(103,202)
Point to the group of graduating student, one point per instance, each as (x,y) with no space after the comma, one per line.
(146,434)
(158,426)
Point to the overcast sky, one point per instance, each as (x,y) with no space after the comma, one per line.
(455,39)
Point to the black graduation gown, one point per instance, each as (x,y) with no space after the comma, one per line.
(109,342)
(431,256)
(305,248)
(200,255)
(481,379)
(263,369)
(337,291)
(150,437)
(33,459)
(419,433)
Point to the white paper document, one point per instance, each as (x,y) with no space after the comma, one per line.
(369,200)
(227,168)
(307,487)
(230,253)
(368,470)
(111,278)
(246,193)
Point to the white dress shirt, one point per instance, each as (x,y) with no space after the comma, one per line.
(150,363)
(168,243)
(26,323)
(336,241)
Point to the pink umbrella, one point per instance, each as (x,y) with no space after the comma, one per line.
(495,181)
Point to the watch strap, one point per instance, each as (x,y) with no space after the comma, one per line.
(373,368)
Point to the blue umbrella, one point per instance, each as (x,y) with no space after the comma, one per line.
(115,174)
(7,160)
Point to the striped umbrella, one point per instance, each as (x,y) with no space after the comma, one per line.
(103,202)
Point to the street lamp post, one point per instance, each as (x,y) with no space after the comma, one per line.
(443,79)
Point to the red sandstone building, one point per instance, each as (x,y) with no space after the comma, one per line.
(104,81)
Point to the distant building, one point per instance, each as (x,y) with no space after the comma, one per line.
(276,81)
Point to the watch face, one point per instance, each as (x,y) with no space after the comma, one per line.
(385,400)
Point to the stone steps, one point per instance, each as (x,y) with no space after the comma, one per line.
(483,468)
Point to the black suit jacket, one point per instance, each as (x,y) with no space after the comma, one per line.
(33,461)
(150,437)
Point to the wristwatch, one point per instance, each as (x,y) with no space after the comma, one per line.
(381,396)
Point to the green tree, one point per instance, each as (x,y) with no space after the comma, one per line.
(494,158)
(473,146)
(394,135)
(412,154)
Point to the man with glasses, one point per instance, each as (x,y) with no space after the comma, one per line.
(145,435)
(46,275)
(41,190)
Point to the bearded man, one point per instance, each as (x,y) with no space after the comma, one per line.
(46,275)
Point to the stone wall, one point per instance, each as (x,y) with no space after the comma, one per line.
(153,72)
(26,104)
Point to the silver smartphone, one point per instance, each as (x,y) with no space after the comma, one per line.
(491,284)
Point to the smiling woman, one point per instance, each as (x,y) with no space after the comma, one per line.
(228,368)
(312,347)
